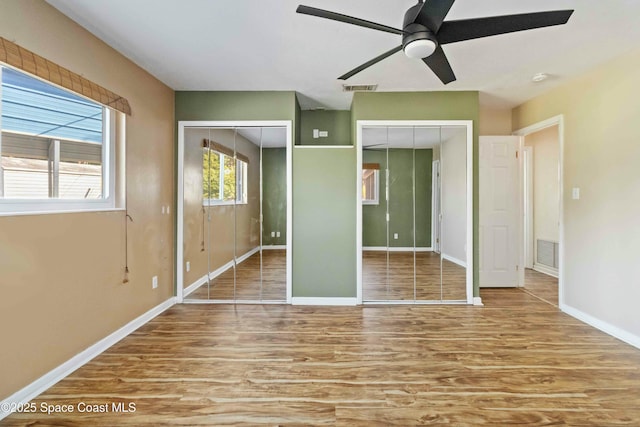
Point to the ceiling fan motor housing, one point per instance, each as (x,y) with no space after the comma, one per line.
(415,32)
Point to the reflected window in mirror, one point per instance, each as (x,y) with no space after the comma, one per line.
(370,186)
(224,179)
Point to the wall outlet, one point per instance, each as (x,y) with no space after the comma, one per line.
(154,282)
(162,209)
(575,193)
(273,234)
(395,236)
(277,234)
(168,209)
(188,266)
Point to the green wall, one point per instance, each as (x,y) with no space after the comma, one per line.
(337,123)
(374,227)
(324,222)
(462,105)
(274,195)
(223,105)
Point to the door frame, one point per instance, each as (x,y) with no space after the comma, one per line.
(553,121)
(179,291)
(527,207)
(360,124)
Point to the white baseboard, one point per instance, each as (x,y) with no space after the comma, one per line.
(395,249)
(549,271)
(46,381)
(477,301)
(195,285)
(323,301)
(251,252)
(272,247)
(217,272)
(605,327)
(454,260)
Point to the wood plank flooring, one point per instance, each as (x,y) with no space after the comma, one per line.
(541,285)
(515,361)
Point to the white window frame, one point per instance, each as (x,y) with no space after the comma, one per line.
(10,207)
(376,200)
(241,184)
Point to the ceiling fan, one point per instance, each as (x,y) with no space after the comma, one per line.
(424,31)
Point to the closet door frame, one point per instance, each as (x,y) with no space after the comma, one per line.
(360,124)
(182,125)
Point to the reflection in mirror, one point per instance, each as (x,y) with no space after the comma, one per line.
(274,214)
(234,179)
(428,274)
(414,222)
(400,207)
(453,164)
(374,213)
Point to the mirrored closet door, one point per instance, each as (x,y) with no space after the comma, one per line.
(234,214)
(414,214)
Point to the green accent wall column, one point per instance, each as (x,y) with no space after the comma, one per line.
(324,222)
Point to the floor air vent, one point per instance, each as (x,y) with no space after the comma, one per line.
(359,88)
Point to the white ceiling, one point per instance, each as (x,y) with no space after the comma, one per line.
(265,45)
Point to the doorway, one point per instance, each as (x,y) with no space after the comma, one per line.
(541,188)
(399,223)
(234,212)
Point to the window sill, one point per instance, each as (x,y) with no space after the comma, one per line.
(61,211)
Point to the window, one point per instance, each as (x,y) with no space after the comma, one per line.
(226,185)
(56,148)
(370,186)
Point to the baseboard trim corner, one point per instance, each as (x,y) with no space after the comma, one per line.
(553,272)
(605,327)
(323,301)
(477,301)
(49,379)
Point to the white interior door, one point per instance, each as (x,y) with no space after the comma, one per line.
(499,211)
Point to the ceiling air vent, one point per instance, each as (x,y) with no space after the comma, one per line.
(359,88)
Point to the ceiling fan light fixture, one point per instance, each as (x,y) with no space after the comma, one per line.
(419,49)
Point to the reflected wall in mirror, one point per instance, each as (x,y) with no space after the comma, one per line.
(225,202)
(402,228)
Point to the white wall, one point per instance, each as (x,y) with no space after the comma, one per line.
(601,156)
(453,158)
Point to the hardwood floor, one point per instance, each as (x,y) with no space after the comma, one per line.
(515,361)
(396,283)
(541,286)
(248,280)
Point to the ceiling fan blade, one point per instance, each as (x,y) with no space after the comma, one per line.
(467,29)
(439,64)
(307,10)
(370,63)
(432,13)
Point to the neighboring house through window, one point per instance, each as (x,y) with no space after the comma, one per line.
(57,149)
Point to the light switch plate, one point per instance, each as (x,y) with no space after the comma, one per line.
(575,194)
(324,133)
